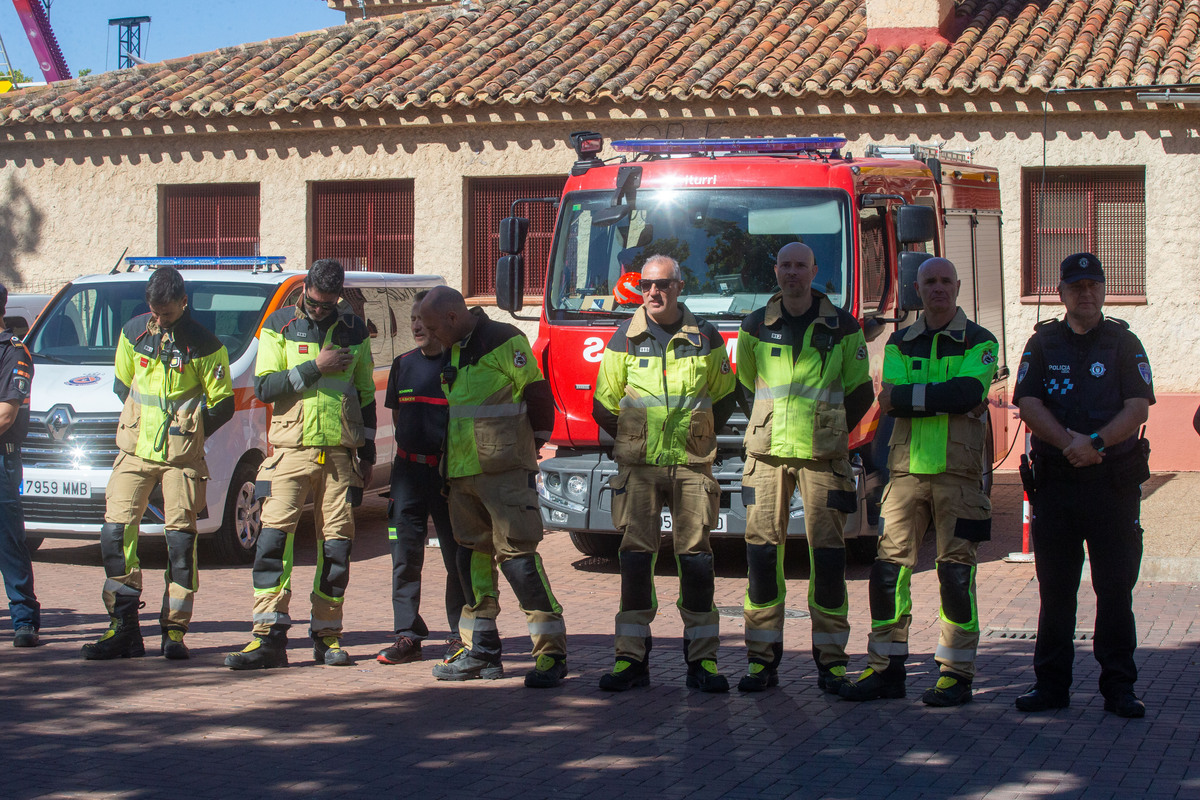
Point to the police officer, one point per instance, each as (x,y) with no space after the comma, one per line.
(501,413)
(1084,387)
(419,415)
(172,374)
(314,366)
(936,377)
(805,362)
(664,390)
(16,380)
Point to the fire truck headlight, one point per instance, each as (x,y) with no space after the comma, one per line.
(577,487)
(558,516)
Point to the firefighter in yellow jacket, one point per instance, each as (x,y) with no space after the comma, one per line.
(173,377)
(501,413)
(314,366)
(664,390)
(805,363)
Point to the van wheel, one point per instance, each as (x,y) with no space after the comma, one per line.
(234,542)
(602,545)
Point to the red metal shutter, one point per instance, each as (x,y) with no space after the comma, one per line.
(366,225)
(489,201)
(211,220)
(1097,211)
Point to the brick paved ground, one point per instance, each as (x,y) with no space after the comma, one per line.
(149,728)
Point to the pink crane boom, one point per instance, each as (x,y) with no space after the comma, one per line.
(41,37)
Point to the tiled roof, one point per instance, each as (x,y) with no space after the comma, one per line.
(533,52)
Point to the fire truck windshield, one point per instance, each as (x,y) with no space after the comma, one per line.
(725,241)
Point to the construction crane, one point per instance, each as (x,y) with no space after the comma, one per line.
(36,22)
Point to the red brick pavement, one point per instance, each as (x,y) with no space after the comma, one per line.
(149,728)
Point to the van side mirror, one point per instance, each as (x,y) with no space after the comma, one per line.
(513,231)
(910,262)
(510,283)
(915,224)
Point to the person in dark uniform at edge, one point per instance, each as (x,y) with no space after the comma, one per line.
(16,381)
(419,414)
(1084,387)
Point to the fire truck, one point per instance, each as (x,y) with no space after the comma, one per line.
(722,208)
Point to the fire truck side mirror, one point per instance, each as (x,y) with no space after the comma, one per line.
(915,224)
(510,283)
(513,231)
(910,262)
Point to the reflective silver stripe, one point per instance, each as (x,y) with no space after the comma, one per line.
(636,631)
(158,401)
(296,379)
(547,628)
(316,623)
(951,654)
(180,604)
(116,587)
(701,632)
(272,618)
(651,401)
(918,396)
(477,624)
(888,648)
(369,433)
(759,635)
(495,410)
(828,394)
(831,638)
(190,404)
(337,385)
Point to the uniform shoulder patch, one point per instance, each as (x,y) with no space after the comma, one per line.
(989,356)
(519,360)
(861,354)
(1023,371)
(1144,371)
(725,367)
(219,372)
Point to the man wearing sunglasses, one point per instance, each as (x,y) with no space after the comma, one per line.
(664,390)
(805,362)
(314,366)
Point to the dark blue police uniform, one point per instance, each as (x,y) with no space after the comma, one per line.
(16,381)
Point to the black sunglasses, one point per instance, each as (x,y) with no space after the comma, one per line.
(663,284)
(318,305)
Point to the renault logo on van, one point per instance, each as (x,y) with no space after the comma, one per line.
(58,422)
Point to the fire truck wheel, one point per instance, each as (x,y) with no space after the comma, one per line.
(603,545)
(234,542)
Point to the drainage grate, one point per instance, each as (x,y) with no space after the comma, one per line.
(736,612)
(1031,633)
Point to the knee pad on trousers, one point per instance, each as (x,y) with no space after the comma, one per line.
(637,580)
(956,582)
(524,575)
(268,558)
(829,577)
(696,581)
(885,576)
(181,555)
(335,567)
(479,581)
(762,561)
(112,549)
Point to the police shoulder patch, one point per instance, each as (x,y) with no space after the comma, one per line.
(519,359)
(22,385)
(1023,371)
(1144,371)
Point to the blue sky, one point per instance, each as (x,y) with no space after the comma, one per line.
(177,28)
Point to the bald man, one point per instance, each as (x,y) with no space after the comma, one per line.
(936,376)
(501,413)
(805,362)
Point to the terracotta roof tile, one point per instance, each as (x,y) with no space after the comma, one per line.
(528,52)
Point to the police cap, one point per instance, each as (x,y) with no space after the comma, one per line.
(1080,267)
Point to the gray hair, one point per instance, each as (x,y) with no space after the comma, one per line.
(676,271)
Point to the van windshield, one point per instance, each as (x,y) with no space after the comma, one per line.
(725,241)
(84,325)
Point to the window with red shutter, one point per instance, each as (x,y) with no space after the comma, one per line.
(212,219)
(488,201)
(366,225)
(1100,211)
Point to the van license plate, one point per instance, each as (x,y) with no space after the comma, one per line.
(57,488)
(665,526)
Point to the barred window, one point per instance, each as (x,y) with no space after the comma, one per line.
(366,225)
(1100,211)
(213,219)
(488,201)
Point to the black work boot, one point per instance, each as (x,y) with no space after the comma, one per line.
(548,671)
(703,675)
(626,674)
(951,689)
(173,648)
(872,685)
(831,679)
(758,678)
(263,652)
(328,650)
(123,639)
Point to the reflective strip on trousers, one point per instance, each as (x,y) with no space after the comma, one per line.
(952,654)
(477,624)
(494,410)
(636,631)
(888,648)
(842,638)
(701,632)
(546,628)
(827,394)
(771,636)
(116,587)
(272,618)
(180,604)
(651,401)
(320,624)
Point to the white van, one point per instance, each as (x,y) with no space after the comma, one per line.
(70,449)
(21,310)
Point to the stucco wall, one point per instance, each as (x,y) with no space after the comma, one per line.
(75,198)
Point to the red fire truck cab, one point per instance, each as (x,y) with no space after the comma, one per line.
(722,208)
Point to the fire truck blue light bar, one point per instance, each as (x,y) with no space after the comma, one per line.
(782,144)
(205,261)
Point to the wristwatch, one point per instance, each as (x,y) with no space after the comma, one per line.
(1098,443)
